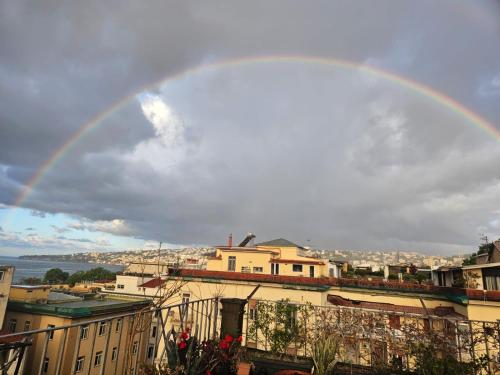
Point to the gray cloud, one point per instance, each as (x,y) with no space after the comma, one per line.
(293,150)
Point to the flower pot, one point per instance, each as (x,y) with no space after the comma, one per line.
(244,368)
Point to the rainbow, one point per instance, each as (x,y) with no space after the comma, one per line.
(399,80)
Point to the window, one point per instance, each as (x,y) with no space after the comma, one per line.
(491,278)
(12,325)
(311,271)
(84,332)
(1,275)
(153,331)
(135,348)
(151,351)
(119,323)
(185,298)
(246,269)
(275,269)
(51,333)
(297,268)
(98,359)
(120,286)
(45,367)
(27,325)
(231,264)
(114,353)
(258,269)
(79,364)
(102,328)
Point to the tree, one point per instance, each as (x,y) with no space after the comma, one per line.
(76,277)
(93,274)
(55,276)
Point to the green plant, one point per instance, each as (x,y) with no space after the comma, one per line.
(431,361)
(279,325)
(187,356)
(324,354)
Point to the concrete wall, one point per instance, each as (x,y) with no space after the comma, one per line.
(5,283)
(122,338)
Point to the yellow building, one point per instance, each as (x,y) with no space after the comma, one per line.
(276,257)
(80,349)
(6,275)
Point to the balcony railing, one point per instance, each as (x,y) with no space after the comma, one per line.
(118,344)
(372,338)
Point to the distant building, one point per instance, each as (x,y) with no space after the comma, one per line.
(447,276)
(276,257)
(36,307)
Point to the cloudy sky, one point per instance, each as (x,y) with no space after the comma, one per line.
(322,154)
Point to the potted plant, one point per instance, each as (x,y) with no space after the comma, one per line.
(324,354)
(187,356)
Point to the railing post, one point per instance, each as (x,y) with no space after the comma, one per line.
(60,351)
(233,310)
(44,350)
(216,315)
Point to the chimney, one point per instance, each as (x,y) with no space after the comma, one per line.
(230,240)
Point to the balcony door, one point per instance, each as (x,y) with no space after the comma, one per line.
(275,268)
(311,271)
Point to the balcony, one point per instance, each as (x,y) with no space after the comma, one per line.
(275,335)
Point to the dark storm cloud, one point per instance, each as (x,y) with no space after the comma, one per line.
(305,152)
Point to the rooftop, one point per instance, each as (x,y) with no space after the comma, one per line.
(279,242)
(30,287)
(458,295)
(485,265)
(81,308)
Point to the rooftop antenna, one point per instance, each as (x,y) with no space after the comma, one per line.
(159,250)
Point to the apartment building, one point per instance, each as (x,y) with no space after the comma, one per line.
(6,275)
(275,257)
(82,348)
(483,274)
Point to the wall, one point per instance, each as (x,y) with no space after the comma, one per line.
(5,283)
(122,338)
(131,284)
(27,294)
(255,258)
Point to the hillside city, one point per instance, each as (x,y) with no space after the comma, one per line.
(375,260)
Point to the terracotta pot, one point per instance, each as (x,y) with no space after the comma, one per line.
(244,368)
(291,372)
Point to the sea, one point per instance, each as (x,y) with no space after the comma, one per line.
(37,268)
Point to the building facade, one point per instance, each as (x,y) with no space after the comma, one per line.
(276,257)
(6,275)
(81,348)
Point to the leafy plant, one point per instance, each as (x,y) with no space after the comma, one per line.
(324,354)
(278,323)
(430,362)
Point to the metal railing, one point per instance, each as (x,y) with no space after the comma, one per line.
(373,338)
(118,344)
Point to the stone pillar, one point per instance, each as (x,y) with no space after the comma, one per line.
(233,310)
